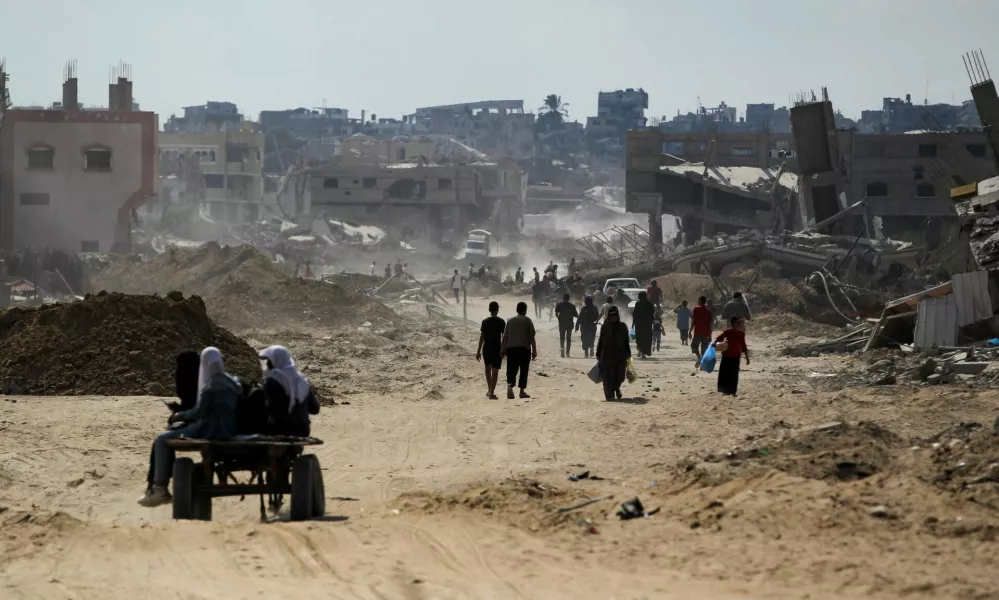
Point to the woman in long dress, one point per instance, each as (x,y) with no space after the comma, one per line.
(642,318)
(613,352)
(728,369)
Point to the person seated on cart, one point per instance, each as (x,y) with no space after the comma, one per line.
(212,418)
(289,396)
(186,380)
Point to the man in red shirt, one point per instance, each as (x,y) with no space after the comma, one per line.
(701,320)
(655,293)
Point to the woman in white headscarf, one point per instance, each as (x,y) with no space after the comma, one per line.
(289,396)
(212,418)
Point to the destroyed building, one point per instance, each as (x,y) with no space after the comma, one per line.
(617,113)
(889,183)
(763,149)
(204,118)
(223,168)
(496,127)
(422,196)
(73,178)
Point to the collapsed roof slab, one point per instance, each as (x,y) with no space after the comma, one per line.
(751,182)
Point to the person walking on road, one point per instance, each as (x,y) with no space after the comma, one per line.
(701,318)
(728,369)
(613,352)
(566,314)
(490,350)
(586,325)
(606,307)
(737,307)
(655,293)
(519,349)
(456,286)
(374,268)
(641,320)
(683,315)
(539,293)
(657,328)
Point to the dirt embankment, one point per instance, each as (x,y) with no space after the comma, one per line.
(111,344)
(242,288)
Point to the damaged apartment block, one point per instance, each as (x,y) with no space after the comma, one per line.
(74,177)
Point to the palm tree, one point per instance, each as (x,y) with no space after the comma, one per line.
(554,107)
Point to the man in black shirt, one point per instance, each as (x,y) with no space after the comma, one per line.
(566,314)
(490,349)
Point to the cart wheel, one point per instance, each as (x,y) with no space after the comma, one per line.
(202,500)
(318,489)
(183,488)
(302,476)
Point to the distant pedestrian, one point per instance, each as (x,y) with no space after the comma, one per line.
(702,319)
(683,315)
(539,293)
(537,276)
(519,349)
(728,370)
(613,352)
(655,293)
(641,320)
(607,305)
(566,314)
(737,307)
(398,267)
(388,270)
(456,285)
(586,325)
(308,271)
(490,350)
(657,328)
(374,267)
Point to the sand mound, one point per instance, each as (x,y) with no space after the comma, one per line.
(242,288)
(838,451)
(111,344)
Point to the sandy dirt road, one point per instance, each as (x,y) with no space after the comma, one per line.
(452,497)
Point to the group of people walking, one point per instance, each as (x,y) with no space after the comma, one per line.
(515,340)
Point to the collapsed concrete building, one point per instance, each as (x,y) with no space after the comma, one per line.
(72,178)
(887,183)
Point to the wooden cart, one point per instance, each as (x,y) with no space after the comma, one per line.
(277,466)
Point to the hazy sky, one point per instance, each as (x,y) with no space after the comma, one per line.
(391,56)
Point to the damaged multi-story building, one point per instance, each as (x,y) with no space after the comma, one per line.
(422,197)
(73,178)
(617,113)
(496,127)
(205,118)
(888,184)
(221,170)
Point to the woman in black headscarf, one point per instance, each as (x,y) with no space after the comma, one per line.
(642,318)
(613,352)
(186,383)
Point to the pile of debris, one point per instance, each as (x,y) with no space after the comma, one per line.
(242,288)
(933,367)
(111,344)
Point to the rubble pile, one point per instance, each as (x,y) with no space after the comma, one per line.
(242,288)
(905,367)
(111,344)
